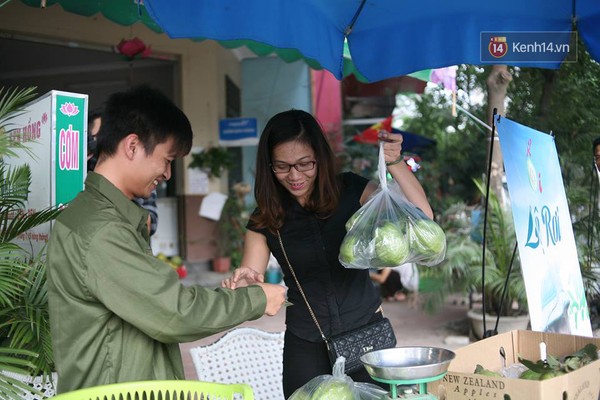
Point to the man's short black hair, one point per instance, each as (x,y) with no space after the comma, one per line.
(148,113)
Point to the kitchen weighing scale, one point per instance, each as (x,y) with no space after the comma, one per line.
(406,369)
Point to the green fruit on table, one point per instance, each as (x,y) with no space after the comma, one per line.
(176,260)
(531,375)
(551,374)
(162,257)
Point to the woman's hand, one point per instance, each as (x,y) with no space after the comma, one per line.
(392,145)
(411,187)
(243,276)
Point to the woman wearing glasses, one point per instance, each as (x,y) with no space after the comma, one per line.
(300,194)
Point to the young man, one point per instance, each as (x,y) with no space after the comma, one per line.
(117,313)
(94,123)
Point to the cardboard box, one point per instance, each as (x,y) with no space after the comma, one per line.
(460,383)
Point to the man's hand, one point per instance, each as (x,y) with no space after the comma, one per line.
(276,296)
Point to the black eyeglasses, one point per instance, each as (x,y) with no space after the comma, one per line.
(282,168)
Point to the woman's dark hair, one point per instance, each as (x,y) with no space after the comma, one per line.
(595,143)
(271,196)
(149,114)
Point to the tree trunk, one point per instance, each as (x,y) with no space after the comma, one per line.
(497,84)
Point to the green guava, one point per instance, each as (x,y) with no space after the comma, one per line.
(301,394)
(428,239)
(351,221)
(391,245)
(347,249)
(176,260)
(334,390)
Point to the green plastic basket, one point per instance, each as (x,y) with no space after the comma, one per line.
(162,390)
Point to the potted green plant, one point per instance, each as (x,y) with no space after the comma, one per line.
(231,228)
(212,160)
(500,278)
(454,275)
(461,270)
(25,341)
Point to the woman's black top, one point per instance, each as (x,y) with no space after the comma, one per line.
(342,299)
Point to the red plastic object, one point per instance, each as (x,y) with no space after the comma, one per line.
(181,271)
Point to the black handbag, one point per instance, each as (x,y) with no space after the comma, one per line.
(352,344)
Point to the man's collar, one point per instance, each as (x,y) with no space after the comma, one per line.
(130,210)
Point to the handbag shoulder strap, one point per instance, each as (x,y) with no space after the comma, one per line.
(310,310)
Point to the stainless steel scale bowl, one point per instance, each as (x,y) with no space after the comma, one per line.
(408,366)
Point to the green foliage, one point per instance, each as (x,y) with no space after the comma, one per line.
(359,157)
(460,272)
(213,160)
(564,101)
(456,274)
(553,366)
(11,106)
(27,322)
(459,156)
(501,241)
(25,341)
(231,229)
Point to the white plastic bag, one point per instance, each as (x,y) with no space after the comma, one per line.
(338,386)
(388,230)
(409,276)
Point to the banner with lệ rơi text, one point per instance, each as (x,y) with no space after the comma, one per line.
(549,262)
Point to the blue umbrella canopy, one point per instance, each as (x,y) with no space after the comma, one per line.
(127,13)
(385,38)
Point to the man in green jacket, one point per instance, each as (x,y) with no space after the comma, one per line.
(117,313)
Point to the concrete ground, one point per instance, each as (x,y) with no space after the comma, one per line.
(412,325)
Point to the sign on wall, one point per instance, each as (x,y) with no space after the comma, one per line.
(53,129)
(238,132)
(547,249)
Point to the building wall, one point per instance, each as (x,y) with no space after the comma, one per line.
(197,73)
(270,85)
(199,85)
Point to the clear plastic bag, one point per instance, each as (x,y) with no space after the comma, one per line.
(388,230)
(338,386)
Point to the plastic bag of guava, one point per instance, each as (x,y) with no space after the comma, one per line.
(338,386)
(388,231)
